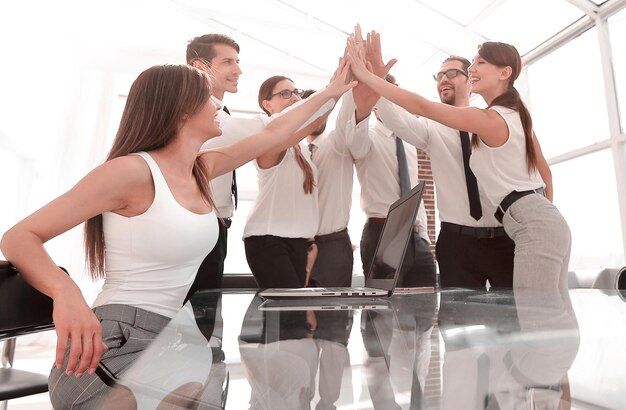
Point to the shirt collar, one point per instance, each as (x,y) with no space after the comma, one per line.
(217,101)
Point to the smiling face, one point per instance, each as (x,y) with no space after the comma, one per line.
(225,70)
(277,103)
(484,76)
(494,70)
(204,122)
(456,90)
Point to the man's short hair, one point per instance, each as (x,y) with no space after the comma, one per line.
(464,61)
(202,48)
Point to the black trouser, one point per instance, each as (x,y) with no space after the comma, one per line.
(418,268)
(465,261)
(410,318)
(334,262)
(277,262)
(211,269)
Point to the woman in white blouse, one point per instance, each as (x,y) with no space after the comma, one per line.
(285,214)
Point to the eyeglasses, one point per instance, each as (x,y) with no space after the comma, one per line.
(451,73)
(286,94)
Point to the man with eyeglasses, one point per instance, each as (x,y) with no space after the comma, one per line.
(472,246)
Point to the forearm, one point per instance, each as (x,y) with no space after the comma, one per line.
(408,127)
(26,252)
(546,175)
(262,136)
(299,118)
(414,103)
(543,168)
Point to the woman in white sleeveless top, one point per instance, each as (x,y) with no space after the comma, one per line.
(506,156)
(149,219)
(285,215)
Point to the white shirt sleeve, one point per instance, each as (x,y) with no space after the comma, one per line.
(356,135)
(402,123)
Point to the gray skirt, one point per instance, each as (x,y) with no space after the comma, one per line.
(127,331)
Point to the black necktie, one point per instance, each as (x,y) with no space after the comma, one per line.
(233,187)
(476,210)
(311,148)
(403,167)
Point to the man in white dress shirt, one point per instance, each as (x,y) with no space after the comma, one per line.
(378,170)
(469,251)
(221,54)
(335,169)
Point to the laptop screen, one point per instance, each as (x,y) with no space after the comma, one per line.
(395,236)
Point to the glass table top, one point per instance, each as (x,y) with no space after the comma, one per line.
(452,349)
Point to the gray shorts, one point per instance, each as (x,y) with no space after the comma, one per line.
(127,331)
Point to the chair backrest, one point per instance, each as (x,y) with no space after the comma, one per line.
(23,309)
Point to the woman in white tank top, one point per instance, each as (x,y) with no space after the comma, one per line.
(285,213)
(127,203)
(506,156)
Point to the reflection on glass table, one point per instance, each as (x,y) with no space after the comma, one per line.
(453,349)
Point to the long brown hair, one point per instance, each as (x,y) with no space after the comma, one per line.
(157,101)
(503,55)
(265,92)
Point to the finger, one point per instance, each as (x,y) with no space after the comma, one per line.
(98,348)
(86,354)
(390,64)
(368,45)
(350,85)
(376,42)
(61,347)
(339,72)
(75,352)
(357,32)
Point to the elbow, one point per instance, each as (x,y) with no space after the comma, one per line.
(6,243)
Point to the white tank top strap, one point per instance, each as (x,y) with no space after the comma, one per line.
(161,189)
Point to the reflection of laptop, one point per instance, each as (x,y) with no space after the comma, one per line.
(385,269)
(314,304)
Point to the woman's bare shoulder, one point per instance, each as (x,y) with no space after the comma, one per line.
(129,168)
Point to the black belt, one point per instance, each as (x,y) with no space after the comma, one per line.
(510,200)
(474,232)
(375,220)
(332,236)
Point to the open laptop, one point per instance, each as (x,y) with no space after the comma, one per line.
(390,250)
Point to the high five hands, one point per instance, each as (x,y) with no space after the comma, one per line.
(365,56)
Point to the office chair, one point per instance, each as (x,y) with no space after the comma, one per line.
(23,310)
(614,279)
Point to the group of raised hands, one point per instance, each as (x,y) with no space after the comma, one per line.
(363,69)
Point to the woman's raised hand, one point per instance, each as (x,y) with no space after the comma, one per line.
(340,81)
(374,56)
(356,57)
